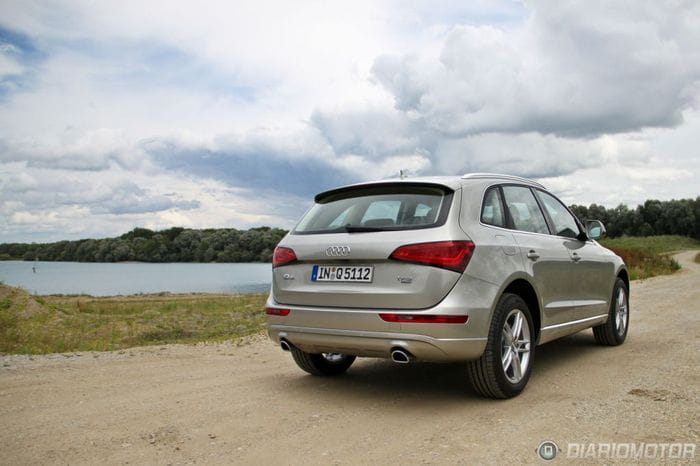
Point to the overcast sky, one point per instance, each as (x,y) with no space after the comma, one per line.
(234,113)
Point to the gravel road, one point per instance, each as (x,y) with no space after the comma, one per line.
(247,402)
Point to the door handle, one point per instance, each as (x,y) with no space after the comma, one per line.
(575,257)
(533,255)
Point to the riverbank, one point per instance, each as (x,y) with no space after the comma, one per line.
(32,324)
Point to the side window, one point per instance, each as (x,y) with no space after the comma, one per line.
(524,210)
(492,210)
(564,222)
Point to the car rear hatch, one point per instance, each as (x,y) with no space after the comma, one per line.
(340,253)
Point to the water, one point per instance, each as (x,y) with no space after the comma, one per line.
(109,279)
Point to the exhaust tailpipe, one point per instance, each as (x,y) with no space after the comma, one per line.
(400,356)
(285,345)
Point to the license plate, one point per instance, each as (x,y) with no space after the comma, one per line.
(342,273)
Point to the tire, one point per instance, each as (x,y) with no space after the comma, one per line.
(487,374)
(323,364)
(614,331)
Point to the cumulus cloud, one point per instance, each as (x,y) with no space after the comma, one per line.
(570,70)
(74,149)
(52,204)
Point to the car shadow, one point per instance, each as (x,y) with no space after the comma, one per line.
(381,380)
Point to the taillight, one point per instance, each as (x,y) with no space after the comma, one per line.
(275,311)
(424,319)
(452,255)
(282,256)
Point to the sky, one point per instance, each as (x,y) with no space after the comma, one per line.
(115,115)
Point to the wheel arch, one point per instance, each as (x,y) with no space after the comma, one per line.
(624,275)
(521,286)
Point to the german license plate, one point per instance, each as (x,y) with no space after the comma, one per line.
(342,273)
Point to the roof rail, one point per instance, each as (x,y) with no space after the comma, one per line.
(469,176)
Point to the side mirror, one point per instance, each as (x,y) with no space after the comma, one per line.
(595,229)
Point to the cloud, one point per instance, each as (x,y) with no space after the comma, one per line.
(52,204)
(262,160)
(74,150)
(236,114)
(8,65)
(570,70)
(128,198)
(528,154)
(375,132)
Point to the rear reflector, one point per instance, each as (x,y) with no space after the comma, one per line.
(274,311)
(451,255)
(424,319)
(282,256)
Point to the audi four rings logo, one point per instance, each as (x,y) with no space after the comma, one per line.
(336,251)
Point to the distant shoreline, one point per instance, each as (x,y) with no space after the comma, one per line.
(129,262)
(72,278)
(162,294)
(219,245)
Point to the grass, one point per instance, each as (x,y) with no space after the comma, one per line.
(649,256)
(697,258)
(653,244)
(55,324)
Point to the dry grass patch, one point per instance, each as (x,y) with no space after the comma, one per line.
(649,256)
(53,324)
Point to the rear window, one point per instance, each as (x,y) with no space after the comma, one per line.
(377,208)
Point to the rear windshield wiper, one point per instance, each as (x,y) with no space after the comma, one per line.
(359,229)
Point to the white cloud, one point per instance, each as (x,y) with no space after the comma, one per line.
(8,66)
(571,70)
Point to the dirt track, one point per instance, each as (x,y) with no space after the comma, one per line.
(229,403)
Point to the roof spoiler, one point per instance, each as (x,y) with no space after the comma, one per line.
(384,184)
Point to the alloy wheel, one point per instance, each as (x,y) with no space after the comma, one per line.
(621,312)
(515,346)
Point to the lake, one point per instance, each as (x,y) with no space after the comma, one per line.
(123,278)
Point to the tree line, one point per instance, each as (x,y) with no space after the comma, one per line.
(675,217)
(144,245)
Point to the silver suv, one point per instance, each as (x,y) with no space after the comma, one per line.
(479,269)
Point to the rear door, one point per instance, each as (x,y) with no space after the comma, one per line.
(344,243)
(545,256)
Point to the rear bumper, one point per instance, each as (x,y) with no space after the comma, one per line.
(361,332)
(379,344)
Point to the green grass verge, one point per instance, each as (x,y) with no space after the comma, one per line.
(653,244)
(649,256)
(55,324)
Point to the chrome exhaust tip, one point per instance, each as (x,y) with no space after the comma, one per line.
(285,345)
(400,356)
